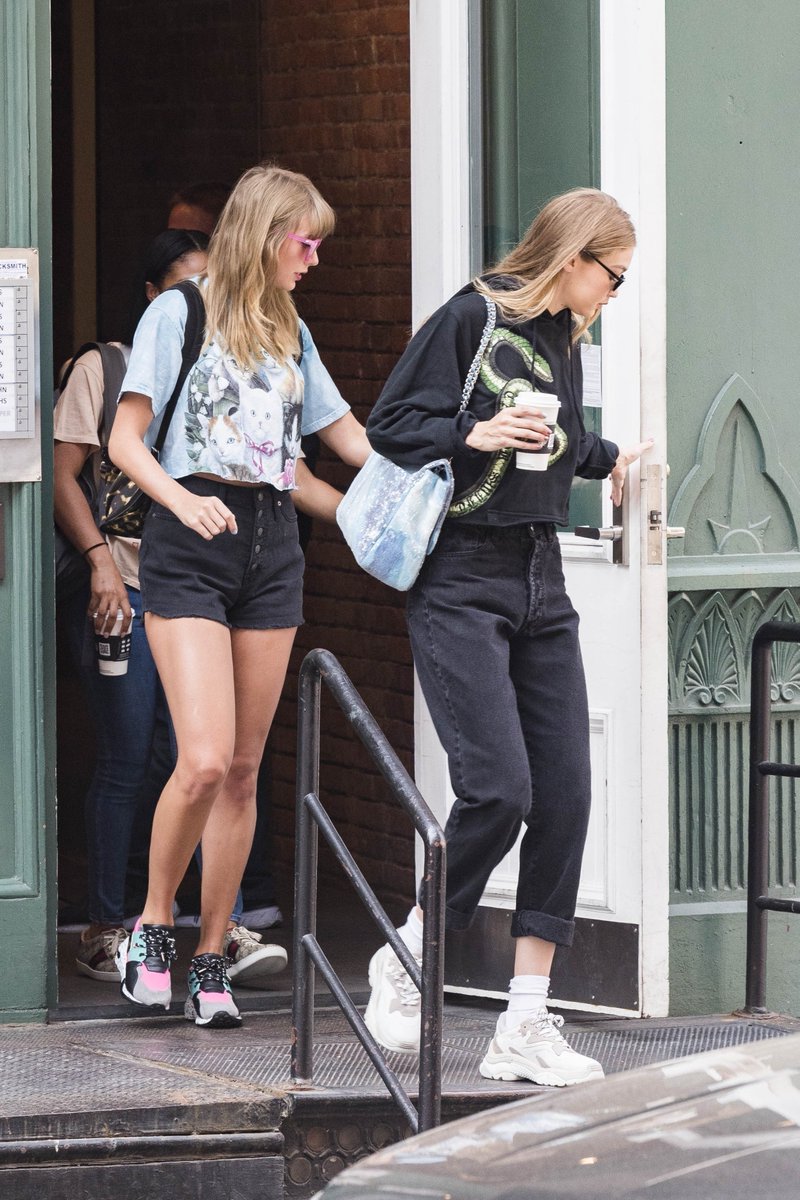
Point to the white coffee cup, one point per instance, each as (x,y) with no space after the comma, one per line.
(113,649)
(547,404)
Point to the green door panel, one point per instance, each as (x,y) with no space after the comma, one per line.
(541,109)
(541,121)
(27,673)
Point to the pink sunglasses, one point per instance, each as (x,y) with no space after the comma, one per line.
(311,245)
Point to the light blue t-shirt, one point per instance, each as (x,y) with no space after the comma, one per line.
(239,425)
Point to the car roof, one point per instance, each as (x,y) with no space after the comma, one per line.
(725,1123)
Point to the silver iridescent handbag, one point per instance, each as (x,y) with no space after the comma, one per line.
(391,516)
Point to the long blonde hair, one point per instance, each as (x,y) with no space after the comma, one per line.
(247,313)
(575,222)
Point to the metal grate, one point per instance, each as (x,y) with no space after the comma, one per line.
(93,1068)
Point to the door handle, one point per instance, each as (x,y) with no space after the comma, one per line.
(616,534)
(607,533)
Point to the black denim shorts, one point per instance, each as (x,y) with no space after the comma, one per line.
(249,580)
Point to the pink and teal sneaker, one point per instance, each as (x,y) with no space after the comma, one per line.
(143,961)
(210,1000)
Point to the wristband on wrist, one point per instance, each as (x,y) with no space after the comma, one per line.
(94,547)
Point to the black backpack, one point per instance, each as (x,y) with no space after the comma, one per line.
(71,566)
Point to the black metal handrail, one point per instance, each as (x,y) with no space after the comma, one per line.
(319,666)
(759,902)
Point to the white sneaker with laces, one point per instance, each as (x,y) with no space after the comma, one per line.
(393,1012)
(535,1050)
(248,959)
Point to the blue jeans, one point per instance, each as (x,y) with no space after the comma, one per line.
(131,720)
(495,644)
(124,711)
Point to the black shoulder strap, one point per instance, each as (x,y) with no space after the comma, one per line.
(114,367)
(193,335)
(113,364)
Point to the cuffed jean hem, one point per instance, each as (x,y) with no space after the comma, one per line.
(541,925)
(523,924)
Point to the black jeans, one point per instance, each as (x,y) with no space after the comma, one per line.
(495,643)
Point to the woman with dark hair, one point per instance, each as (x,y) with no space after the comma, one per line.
(127,709)
(164,262)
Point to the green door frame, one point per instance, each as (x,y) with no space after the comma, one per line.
(27,657)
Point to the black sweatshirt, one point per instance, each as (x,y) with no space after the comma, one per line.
(416,418)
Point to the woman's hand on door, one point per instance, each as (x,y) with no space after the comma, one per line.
(628,455)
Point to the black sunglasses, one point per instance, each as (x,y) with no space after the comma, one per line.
(618,279)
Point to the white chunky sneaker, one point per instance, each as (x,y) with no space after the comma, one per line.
(393,1012)
(535,1050)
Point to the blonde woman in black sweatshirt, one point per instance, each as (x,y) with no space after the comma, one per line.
(493,632)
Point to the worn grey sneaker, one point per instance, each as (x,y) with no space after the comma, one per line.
(393,1012)
(96,957)
(535,1050)
(248,960)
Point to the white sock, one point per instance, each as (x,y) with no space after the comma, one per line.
(411,933)
(526,995)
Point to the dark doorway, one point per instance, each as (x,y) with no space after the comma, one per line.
(149,98)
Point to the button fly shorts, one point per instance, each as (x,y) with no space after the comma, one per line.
(252,579)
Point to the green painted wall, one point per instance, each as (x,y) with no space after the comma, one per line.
(733,176)
(709,951)
(27,673)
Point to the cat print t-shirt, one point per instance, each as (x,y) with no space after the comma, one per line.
(239,425)
(243,425)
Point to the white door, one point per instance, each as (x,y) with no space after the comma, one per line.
(619,962)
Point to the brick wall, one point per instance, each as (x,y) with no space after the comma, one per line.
(335,104)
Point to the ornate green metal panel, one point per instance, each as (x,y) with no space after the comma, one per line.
(740,500)
(710,637)
(27,675)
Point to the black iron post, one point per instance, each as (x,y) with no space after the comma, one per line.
(759,901)
(758,822)
(305,889)
(432,992)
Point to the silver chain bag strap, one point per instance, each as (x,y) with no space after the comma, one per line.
(391,516)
